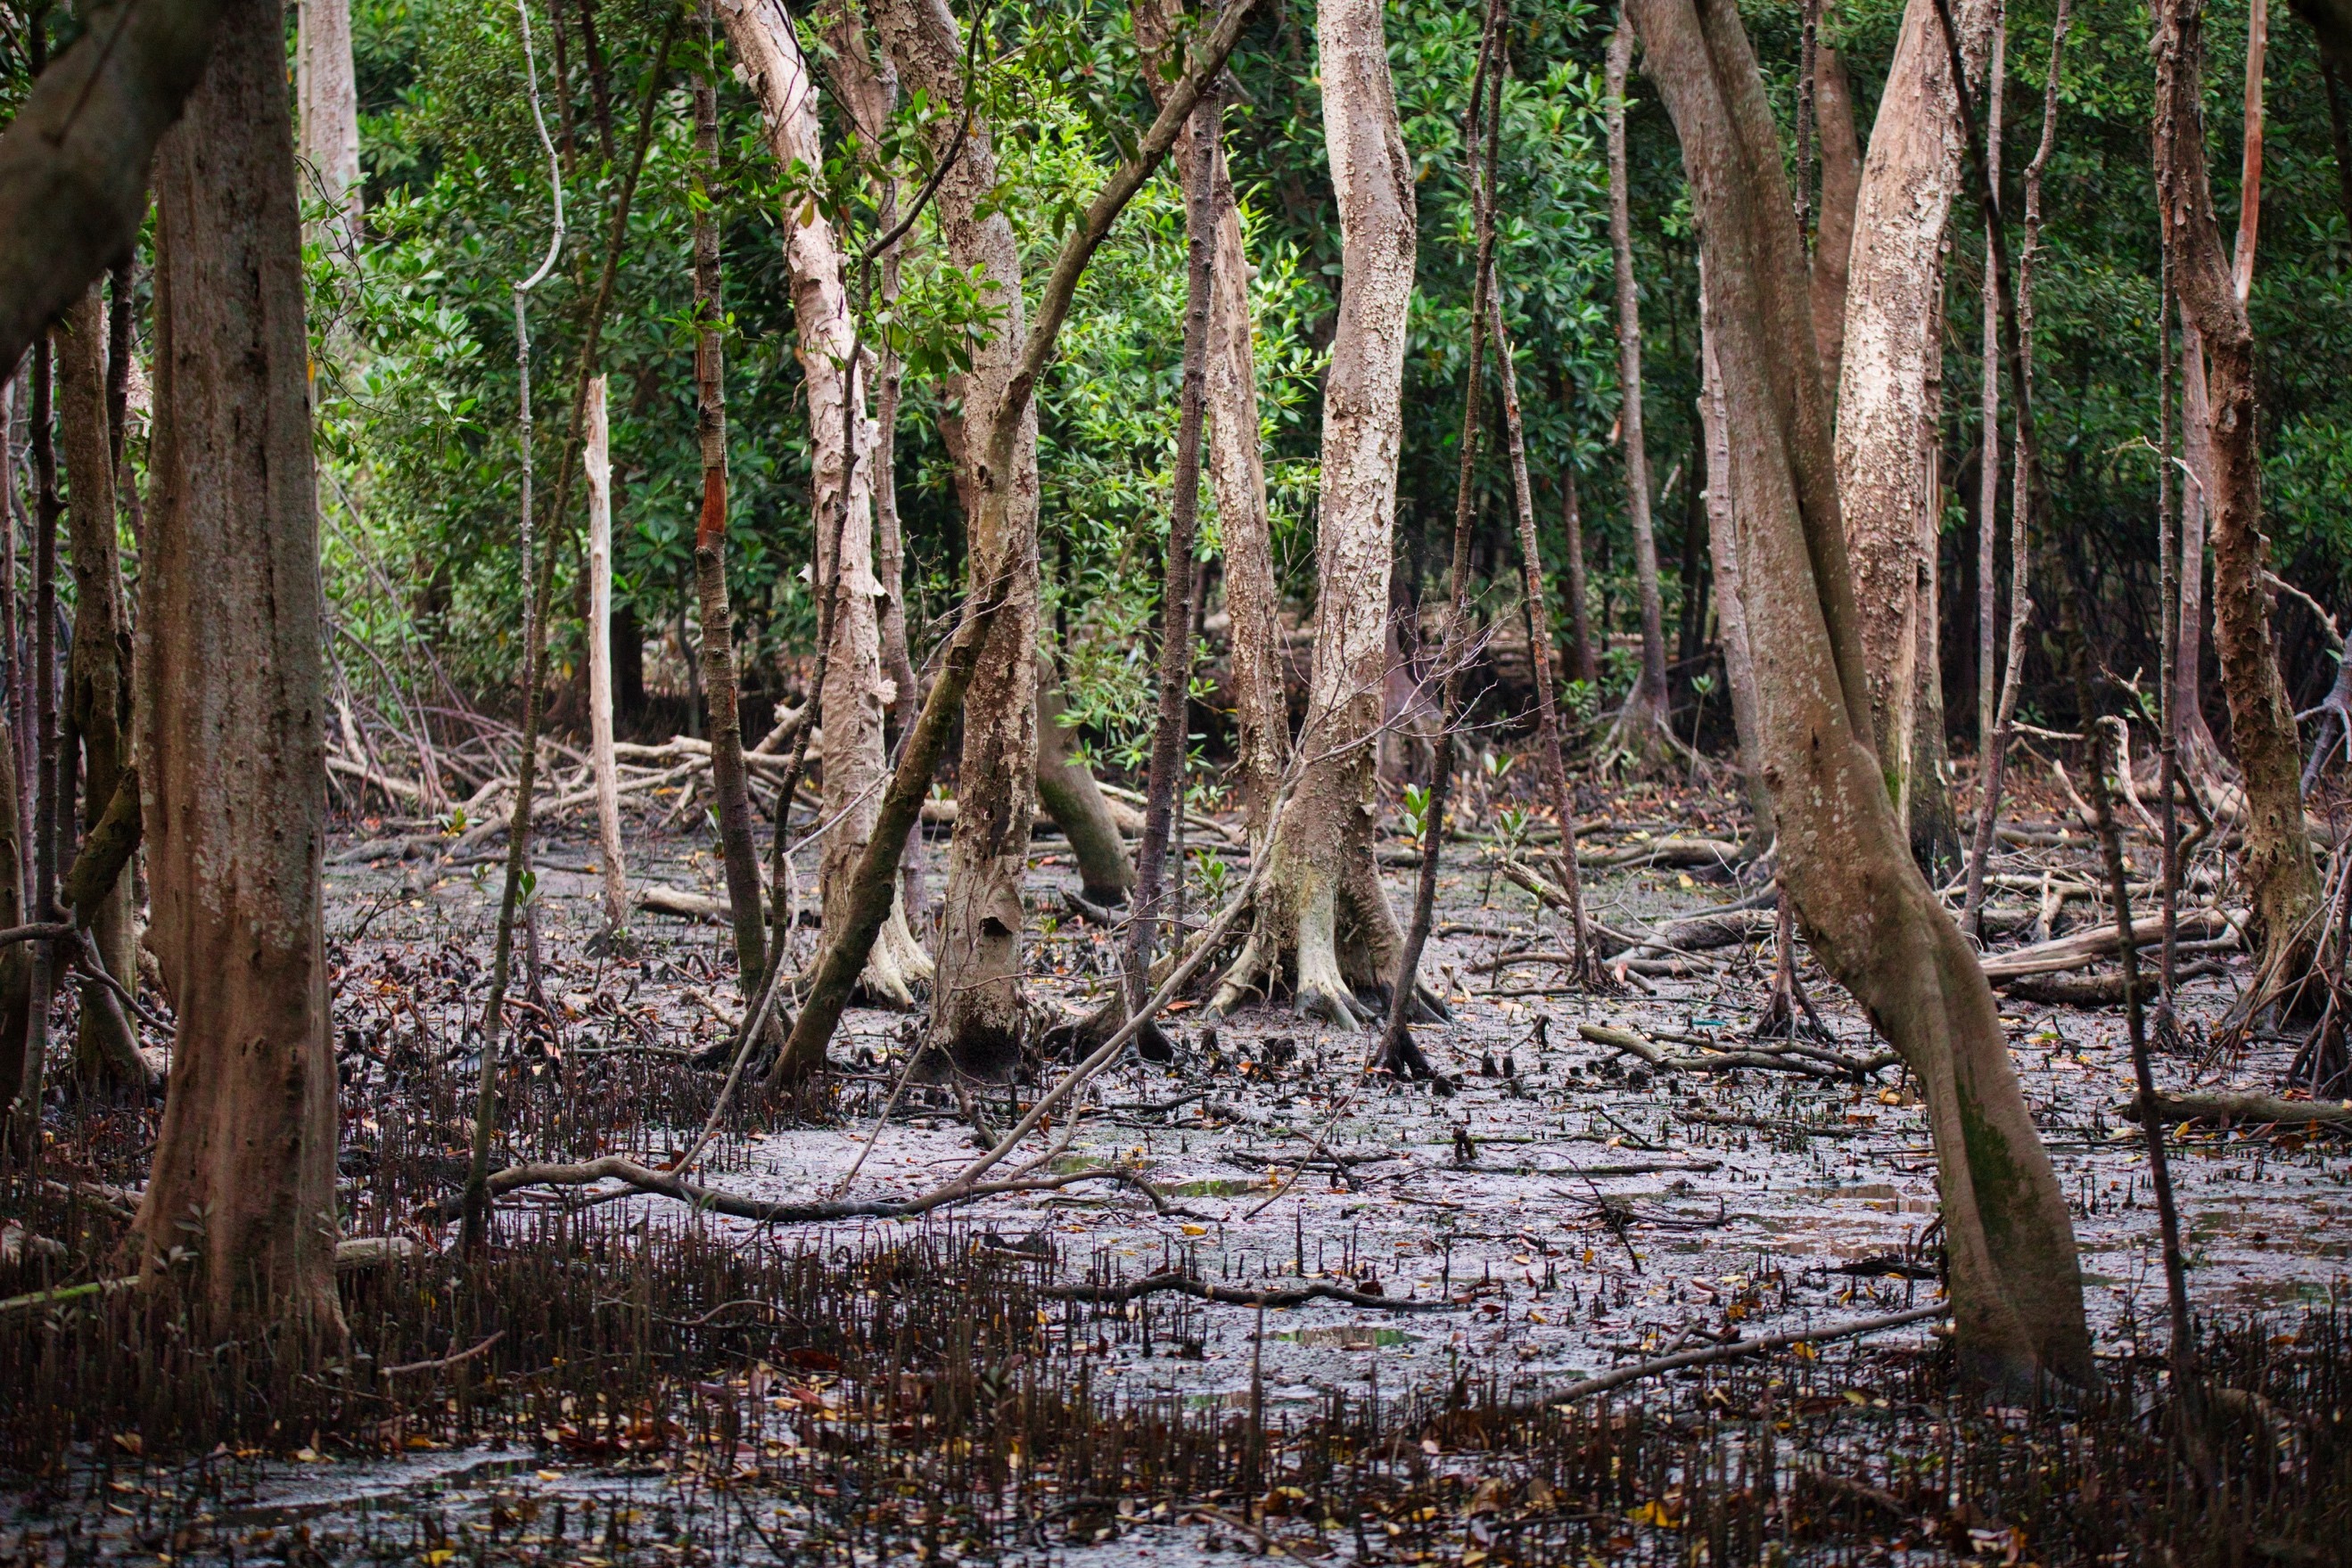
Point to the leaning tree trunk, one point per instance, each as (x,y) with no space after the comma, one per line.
(2278,864)
(1072,798)
(1873,920)
(980,1016)
(98,677)
(234,623)
(1236,461)
(1323,906)
(1641,732)
(843,442)
(1894,307)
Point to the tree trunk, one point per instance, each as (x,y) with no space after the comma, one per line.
(234,745)
(2278,865)
(1581,661)
(729,779)
(1833,231)
(1540,647)
(97,679)
(1236,463)
(1641,733)
(1886,481)
(1071,797)
(1723,539)
(328,96)
(1870,915)
(598,470)
(843,443)
(980,1015)
(2199,754)
(1323,905)
(1989,413)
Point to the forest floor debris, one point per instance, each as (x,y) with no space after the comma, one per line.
(1579,1206)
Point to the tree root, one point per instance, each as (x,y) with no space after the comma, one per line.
(1737,1348)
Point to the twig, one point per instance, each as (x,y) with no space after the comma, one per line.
(1187,1285)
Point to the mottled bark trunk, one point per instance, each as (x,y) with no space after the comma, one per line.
(2278,863)
(980,1015)
(730,779)
(1892,351)
(16,960)
(327,92)
(1833,230)
(1641,733)
(834,363)
(234,621)
(98,673)
(1871,918)
(1324,908)
(1236,463)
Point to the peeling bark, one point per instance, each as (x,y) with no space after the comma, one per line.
(1871,918)
(1892,351)
(234,623)
(980,1014)
(843,442)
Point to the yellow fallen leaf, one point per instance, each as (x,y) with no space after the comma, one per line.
(1195,1230)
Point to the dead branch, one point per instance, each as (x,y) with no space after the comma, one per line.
(1199,1290)
(2251,1109)
(1738,1348)
(1811,1060)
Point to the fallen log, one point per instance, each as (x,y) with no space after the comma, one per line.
(2096,990)
(2084,946)
(1812,1060)
(2258,1109)
(657,899)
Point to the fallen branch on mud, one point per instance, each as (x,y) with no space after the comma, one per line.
(1811,1060)
(1199,1290)
(2086,947)
(638,1177)
(1738,1348)
(2255,1108)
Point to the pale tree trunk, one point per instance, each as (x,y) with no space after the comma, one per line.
(1870,915)
(1834,228)
(1324,908)
(1988,411)
(842,445)
(2278,864)
(328,95)
(1640,734)
(730,779)
(1885,478)
(1236,461)
(233,621)
(598,470)
(2199,754)
(980,1015)
(98,677)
